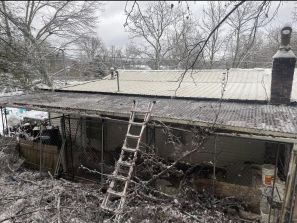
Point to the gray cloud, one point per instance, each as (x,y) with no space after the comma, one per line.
(110,27)
(111,30)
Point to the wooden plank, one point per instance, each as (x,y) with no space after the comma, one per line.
(31,152)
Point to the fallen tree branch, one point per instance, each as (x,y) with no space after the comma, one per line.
(26,213)
(187,154)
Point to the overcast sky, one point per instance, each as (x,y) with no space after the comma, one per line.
(111,30)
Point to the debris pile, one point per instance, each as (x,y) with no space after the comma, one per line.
(27,196)
(149,205)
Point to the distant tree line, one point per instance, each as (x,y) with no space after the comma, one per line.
(165,35)
(45,40)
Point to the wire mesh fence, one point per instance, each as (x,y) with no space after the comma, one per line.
(84,148)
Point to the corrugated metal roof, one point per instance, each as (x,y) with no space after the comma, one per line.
(242,84)
(246,117)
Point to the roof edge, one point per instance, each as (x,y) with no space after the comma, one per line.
(163,96)
(90,113)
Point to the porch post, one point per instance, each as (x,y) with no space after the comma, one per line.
(290,184)
(102,150)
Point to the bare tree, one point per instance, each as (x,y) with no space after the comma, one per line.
(212,15)
(185,34)
(154,26)
(35,25)
(244,24)
(91,47)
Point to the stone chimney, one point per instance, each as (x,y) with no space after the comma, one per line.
(283,70)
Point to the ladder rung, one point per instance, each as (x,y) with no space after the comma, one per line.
(129,149)
(137,123)
(125,163)
(133,136)
(139,111)
(119,194)
(119,177)
(107,208)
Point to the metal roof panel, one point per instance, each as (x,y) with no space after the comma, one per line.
(242,84)
(253,118)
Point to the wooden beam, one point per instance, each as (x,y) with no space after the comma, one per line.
(258,137)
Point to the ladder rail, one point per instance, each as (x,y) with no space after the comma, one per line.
(132,115)
(130,163)
(123,199)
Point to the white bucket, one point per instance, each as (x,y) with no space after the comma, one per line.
(268,174)
(264,217)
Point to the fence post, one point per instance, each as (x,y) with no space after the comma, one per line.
(6,125)
(40,153)
(70,144)
(102,150)
(63,133)
(2,119)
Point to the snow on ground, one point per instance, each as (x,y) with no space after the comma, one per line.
(28,196)
(6,94)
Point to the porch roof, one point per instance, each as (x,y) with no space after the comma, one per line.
(253,118)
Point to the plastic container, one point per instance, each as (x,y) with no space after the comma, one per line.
(264,217)
(268,174)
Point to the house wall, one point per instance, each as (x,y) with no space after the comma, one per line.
(229,150)
(86,137)
(235,155)
(115,133)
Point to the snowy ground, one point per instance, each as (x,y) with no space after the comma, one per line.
(27,196)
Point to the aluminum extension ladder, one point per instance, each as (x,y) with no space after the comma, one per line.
(115,197)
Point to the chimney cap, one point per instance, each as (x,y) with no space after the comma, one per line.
(285,48)
(286,37)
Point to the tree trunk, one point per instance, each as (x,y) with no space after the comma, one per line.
(157,61)
(7,30)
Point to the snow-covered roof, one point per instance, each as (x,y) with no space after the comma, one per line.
(242,84)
